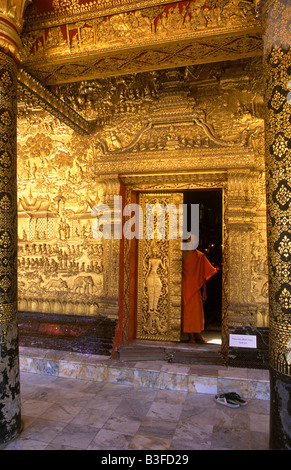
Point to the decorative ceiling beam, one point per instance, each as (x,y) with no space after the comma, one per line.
(137,60)
(150,38)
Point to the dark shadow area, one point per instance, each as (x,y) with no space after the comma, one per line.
(210,243)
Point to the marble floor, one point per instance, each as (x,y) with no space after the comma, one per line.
(61,413)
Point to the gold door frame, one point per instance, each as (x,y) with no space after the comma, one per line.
(175,183)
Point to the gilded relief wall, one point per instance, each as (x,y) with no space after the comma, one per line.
(202,120)
(60,264)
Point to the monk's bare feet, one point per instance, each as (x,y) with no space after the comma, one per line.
(191,338)
(199,338)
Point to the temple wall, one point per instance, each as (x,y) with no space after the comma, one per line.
(62,175)
(61,266)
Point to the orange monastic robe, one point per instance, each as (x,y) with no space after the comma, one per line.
(196,269)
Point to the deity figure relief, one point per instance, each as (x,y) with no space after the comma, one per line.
(196,12)
(55,38)
(153,284)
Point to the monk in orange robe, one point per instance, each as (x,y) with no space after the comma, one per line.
(196,271)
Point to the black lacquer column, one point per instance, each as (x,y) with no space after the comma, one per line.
(11,21)
(9,376)
(277,69)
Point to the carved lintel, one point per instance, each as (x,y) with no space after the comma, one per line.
(171,141)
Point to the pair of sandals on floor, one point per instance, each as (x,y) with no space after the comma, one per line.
(231,399)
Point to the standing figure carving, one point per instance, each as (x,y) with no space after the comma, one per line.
(154,286)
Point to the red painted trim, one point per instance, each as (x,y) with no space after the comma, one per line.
(133,276)
(7,51)
(11,25)
(3,35)
(119,329)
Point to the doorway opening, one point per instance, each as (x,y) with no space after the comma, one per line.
(149,345)
(210,243)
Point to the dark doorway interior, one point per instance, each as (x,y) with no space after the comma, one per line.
(210,243)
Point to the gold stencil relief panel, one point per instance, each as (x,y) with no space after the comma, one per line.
(159,273)
(60,264)
(248,272)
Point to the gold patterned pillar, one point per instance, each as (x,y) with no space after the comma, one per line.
(277,66)
(10,26)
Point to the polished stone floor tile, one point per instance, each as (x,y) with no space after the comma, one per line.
(63,413)
(230,438)
(106,439)
(259,422)
(231,419)
(259,440)
(171,396)
(35,408)
(199,415)
(149,443)
(42,430)
(93,417)
(75,435)
(196,436)
(162,410)
(73,414)
(157,428)
(132,407)
(128,424)
(25,444)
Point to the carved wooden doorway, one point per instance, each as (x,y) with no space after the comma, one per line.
(159,301)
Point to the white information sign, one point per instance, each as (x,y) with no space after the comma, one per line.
(243,341)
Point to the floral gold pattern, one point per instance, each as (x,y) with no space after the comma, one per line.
(277,65)
(8,203)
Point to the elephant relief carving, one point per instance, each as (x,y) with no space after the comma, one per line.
(83,285)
